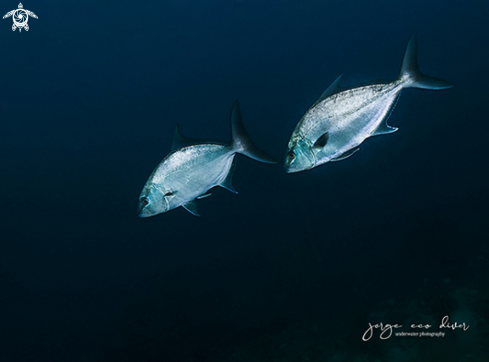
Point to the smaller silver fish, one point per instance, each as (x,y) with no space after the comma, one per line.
(341,119)
(190,170)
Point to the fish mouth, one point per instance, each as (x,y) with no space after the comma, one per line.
(294,168)
(300,156)
(142,213)
(291,170)
(290,167)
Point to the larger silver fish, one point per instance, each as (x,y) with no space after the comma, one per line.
(334,127)
(190,170)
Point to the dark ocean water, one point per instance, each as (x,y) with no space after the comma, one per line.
(294,267)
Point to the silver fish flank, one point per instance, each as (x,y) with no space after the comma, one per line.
(341,119)
(192,168)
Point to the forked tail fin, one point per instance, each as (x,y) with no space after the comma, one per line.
(412,76)
(241,142)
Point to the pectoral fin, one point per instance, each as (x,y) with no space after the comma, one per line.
(191,207)
(345,155)
(321,141)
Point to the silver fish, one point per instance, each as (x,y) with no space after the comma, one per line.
(190,170)
(341,119)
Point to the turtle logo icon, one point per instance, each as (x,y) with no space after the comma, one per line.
(20,16)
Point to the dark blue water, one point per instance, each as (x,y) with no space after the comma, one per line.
(294,267)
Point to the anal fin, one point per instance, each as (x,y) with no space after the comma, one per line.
(384,128)
(191,207)
(227,181)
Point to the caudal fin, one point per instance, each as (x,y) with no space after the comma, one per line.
(412,76)
(241,142)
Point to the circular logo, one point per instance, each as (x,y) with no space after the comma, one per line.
(20,18)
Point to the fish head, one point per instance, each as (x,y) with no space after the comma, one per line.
(154,200)
(300,156)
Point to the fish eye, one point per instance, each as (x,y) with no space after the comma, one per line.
(291,155)
(168,193)
(144,201)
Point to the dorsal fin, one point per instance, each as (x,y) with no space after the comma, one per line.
(332,89)
(180,141)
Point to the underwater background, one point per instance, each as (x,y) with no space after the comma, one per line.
(294,267)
